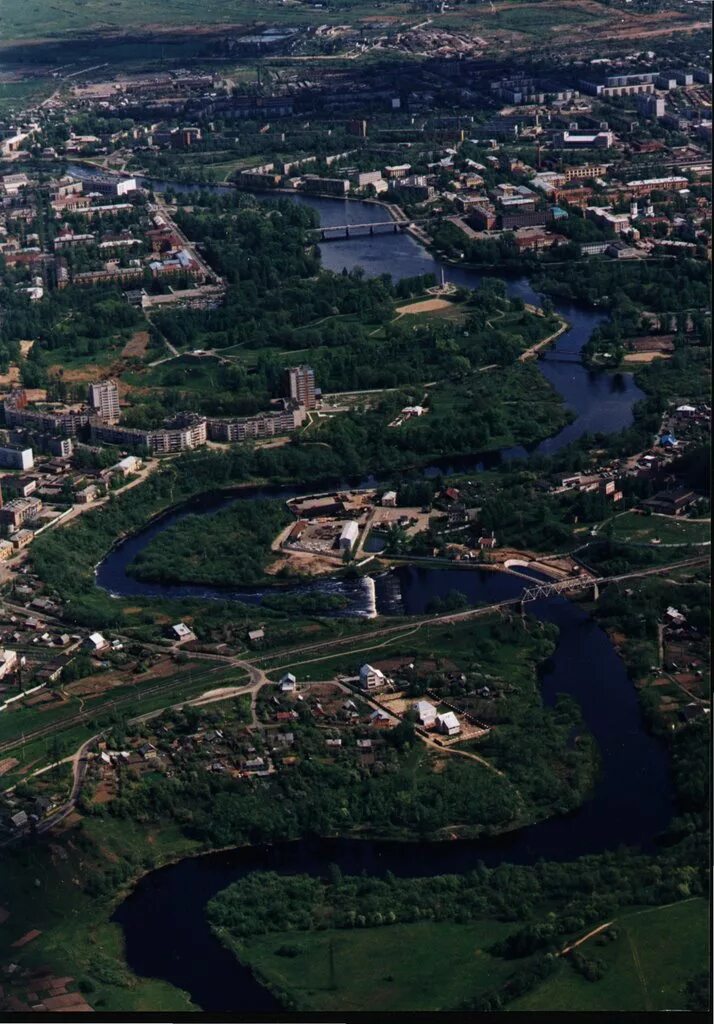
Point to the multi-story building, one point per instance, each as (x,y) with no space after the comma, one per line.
(650,105)
(585,171)
(267,424)
(48,444)
(619,222)
(527,218)
(19,511)
(258,179)
(103,397)
(13,457)
(483,218)
(18,486)
(300,385)
(413,187)
(397,171)
(627,84)
(584,140)
(66,422)
(332,186)
(184,432)
(644,186)
(602,215)
(111,186)
(364,178)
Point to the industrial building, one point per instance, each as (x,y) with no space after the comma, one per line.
(349,535)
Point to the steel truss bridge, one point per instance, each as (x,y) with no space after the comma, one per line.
(551,588)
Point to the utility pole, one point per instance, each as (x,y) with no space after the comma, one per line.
(331,954)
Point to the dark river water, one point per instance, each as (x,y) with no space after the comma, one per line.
(165,930)
(631,804)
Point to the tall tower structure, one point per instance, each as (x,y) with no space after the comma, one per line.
(301,385)
(103,397)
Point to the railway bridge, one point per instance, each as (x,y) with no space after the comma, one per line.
(540,591)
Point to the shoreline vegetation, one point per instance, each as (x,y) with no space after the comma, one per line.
(118,842)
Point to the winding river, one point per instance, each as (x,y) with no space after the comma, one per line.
(632,801)
(630,805)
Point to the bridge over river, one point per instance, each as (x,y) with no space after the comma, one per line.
(337,232)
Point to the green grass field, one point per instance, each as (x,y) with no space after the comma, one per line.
(458,645)
(39,19)
(643,529)
(17,96)
(649,965)
(36,19)
(400,968)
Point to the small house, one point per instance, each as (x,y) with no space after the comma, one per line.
(426,713)
(8,662)
(256,636)
(96,642)
(380,719)
(288,683)
(675,617)
(182,633)
(389,499)
(448,724)
(371,678)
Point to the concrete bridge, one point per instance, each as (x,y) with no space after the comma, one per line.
(337,232)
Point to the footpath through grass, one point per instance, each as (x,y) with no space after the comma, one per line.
(647,968)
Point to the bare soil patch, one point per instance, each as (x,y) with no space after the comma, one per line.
(11,378)
(78,374)
(137,345)
(303,563)
(425,306)
(645,357)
